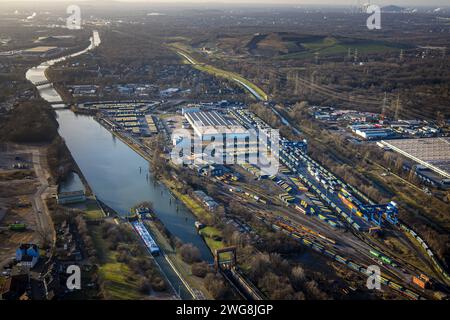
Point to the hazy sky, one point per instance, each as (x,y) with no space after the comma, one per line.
(298,2)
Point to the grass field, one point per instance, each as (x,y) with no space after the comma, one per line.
(2,281)
(320,44)
(200,212)
(117,284)
(211,236)
(331,46)
(93,212)
(16,174)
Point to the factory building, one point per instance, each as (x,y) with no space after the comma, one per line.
(374,134)
(208,125)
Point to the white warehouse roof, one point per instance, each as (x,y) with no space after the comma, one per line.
(433,153)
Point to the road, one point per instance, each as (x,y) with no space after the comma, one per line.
(189,59)
(44,220)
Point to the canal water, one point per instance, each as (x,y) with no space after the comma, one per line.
(118,176)
(121,178)
(71,183)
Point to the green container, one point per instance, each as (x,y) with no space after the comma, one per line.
(374,253)
(386,259)
(17,227)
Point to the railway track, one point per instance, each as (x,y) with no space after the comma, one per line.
(349,248)
(244,287)
(355,248)
(442,274)
(356,266)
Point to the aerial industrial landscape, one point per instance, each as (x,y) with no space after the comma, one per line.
(237,152)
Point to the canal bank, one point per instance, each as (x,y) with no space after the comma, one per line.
(192,204)
(118,174)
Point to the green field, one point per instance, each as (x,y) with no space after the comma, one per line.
(93,211)
(331,46)
(200,212)
(209,233)
(117,285)
(320,44)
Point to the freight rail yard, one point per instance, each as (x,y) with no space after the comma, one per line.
(321,211)
(303,199)
(318,209)
(225,157)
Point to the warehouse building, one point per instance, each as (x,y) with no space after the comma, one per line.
(432,153)
(208,124)
(225,132)
(206,200)
(371,132)
(374,134)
